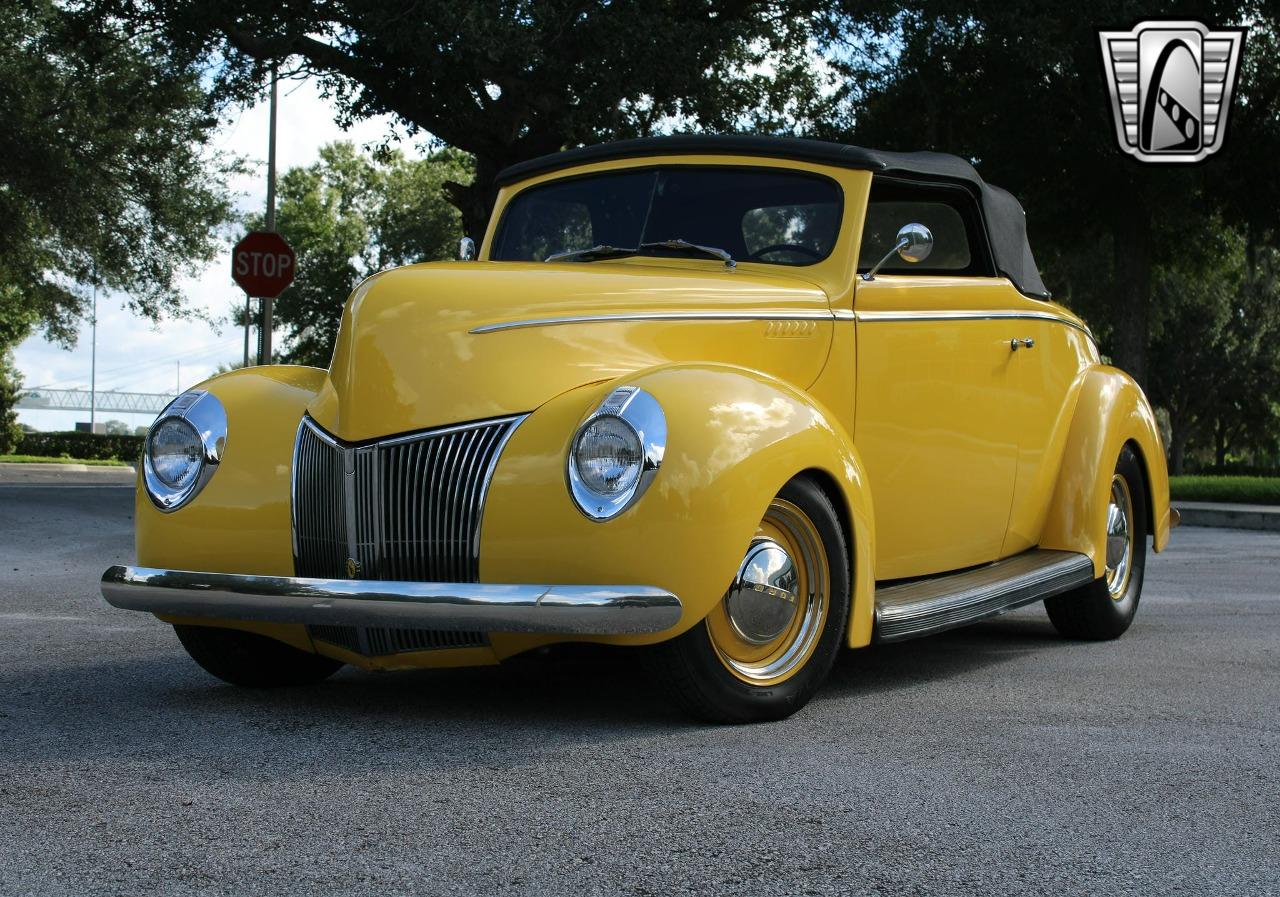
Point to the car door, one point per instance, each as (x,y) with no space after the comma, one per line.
(1047,374)
(935,386)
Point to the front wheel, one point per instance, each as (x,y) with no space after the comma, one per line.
(252,660)
(768,645)
(1105,608)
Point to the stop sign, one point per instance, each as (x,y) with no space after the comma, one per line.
(263,264)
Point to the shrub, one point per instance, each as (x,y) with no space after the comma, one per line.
(74,444)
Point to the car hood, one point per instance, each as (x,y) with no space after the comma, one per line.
(443,343)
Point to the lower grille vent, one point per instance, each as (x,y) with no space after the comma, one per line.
(379,641)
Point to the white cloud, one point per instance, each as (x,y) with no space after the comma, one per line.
(135,355)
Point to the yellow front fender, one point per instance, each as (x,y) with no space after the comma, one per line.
(240,522)
(735,437)
(1110,413)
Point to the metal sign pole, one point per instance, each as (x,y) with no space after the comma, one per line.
(264,354)
(93,359)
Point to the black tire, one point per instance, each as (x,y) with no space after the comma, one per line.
(252,660)
(691,667)
(1092,612)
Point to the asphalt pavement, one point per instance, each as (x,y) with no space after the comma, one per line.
(996,760)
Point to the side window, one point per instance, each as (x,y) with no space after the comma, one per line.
(796,234)
(950,213)
(544,227)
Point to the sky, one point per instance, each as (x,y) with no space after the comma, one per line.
(135,355)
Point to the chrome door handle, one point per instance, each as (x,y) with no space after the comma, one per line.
(1026,343)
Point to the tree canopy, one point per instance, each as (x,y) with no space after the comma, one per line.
(506,81)
(103,172)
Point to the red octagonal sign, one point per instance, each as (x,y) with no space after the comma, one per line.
(263,264)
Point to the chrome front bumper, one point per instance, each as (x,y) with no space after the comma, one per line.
(476,607)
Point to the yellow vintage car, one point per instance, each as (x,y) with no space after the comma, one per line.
(737,402)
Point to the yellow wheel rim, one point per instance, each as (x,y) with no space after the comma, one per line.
(765,632)
(1119,538)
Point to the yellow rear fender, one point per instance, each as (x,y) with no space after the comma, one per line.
(734,438)
(239,523)
(1111,412)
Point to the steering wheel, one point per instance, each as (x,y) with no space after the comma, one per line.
(786,247)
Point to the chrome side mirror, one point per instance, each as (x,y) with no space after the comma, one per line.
(914,244)
(467,249)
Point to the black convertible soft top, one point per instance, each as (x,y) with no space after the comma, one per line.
(1005,220)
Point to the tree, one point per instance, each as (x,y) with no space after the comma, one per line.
(103,175)
(115,428)
(507,81)
(10,392)
(1018,88)
(348,216)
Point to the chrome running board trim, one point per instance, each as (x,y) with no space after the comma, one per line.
(451,607)
(924,606)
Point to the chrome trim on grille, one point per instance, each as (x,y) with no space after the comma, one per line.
(406,508)
(445,606)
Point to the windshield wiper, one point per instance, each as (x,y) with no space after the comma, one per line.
(685,245)
(602,251)
(605,251)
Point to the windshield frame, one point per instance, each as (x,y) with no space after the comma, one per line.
(836,229)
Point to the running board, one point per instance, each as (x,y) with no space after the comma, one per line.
(925,606)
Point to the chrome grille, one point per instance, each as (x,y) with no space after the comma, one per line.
(405,509)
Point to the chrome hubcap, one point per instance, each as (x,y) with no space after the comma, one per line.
(770,619)
(764,596)
(1119,538)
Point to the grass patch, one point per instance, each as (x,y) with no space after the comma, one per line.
(41,459)
(1246,490)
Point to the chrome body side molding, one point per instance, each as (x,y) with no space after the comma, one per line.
(448,607)
(924,606)
(816,315)
(839,314)
(870,317)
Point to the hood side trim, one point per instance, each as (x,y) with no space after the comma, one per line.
(837,315)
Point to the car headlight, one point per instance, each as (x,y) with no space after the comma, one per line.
(616,453)
(184,448)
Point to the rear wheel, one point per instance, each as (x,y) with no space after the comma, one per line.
(767,646)
(1105,608)
(249,659)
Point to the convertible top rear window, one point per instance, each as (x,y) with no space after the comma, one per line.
(755,214)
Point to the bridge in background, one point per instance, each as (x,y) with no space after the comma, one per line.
(79,400)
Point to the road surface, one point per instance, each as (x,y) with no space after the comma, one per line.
(994,760)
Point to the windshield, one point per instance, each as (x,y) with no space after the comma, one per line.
(754,214)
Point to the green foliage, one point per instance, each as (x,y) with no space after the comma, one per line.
(10,392)
(1249,490)
(509,81)
(103,172)
(1216,349)
(349,216)
(75,444)
(45,459)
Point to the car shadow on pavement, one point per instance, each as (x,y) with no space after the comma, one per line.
(886,668)
(551,699)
